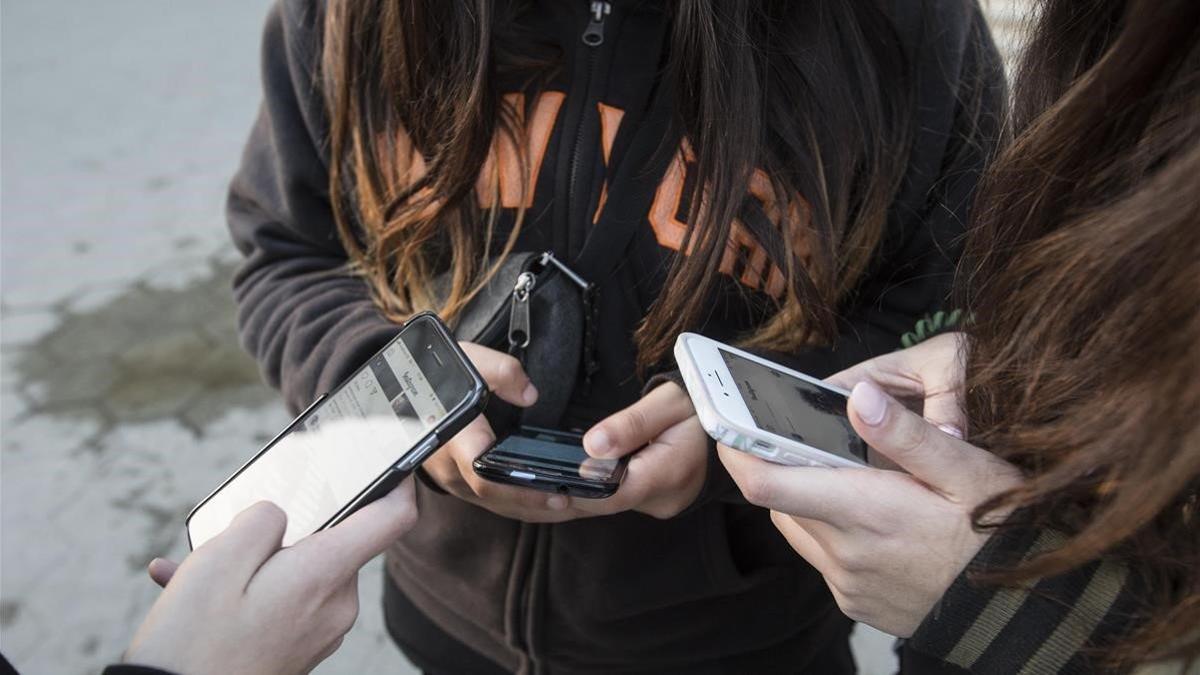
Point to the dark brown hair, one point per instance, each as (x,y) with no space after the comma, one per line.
(818,95)
(1083,273)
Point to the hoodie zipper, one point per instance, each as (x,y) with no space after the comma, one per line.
(593,35)
(592,38)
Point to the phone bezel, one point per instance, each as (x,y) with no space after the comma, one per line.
(723,412)
(456,418)
(501,472)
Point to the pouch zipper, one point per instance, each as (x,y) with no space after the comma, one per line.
(518,314)
(519,322)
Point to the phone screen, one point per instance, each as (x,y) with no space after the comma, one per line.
(795,408)
(342,445)
(552,453)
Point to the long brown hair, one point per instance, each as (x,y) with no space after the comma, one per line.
(1083,273)
(818,95)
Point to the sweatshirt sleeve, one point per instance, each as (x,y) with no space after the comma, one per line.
(1046,627)
(306,321)
(961,95)
(133,669)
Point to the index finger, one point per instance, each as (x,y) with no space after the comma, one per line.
(951,466)
(930,373)
(503,373)
(632,428)
(828,495)
(365,534)
(252,537)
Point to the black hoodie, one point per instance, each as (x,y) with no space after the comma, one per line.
(715,589)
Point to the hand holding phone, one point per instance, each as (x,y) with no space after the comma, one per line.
(888,543)
(451,467)
(241,605)
(667,465)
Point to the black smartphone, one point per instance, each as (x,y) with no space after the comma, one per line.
(356,443)
(552,461)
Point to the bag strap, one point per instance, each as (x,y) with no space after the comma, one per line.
(631,195)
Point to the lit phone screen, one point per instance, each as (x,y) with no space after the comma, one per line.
(341,446)
(788,406)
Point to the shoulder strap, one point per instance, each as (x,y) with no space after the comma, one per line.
(651,150)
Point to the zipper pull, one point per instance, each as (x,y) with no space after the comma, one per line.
(593,35)
(518,315)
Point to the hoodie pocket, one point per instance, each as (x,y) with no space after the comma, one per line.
(743,548)
(723,571)
(455,562)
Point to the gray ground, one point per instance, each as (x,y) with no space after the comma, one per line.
(125,396)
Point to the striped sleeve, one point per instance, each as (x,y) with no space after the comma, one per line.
(1051,626)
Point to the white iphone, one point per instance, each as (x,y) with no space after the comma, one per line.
(751,404)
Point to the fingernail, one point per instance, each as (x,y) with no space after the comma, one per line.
(869,402)
(951,430)
(529,396)
(597,443)
(556,503)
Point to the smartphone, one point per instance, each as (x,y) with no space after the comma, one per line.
(778,414)
(356,443)
(551,461)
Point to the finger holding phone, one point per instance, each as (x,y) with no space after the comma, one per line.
(661,479)
(451,466)
(242,604)
(927,376)
(888,543)
(667,450)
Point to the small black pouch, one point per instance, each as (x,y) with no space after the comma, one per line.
(543,313)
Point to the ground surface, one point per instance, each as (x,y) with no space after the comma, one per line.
(124,393)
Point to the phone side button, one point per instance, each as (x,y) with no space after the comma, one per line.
(418,453)
(764,449)
(522,475)
(798,460)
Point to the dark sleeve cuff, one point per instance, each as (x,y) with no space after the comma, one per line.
(1047,626)
(130,669)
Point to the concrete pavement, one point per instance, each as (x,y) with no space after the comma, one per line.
(125,396)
